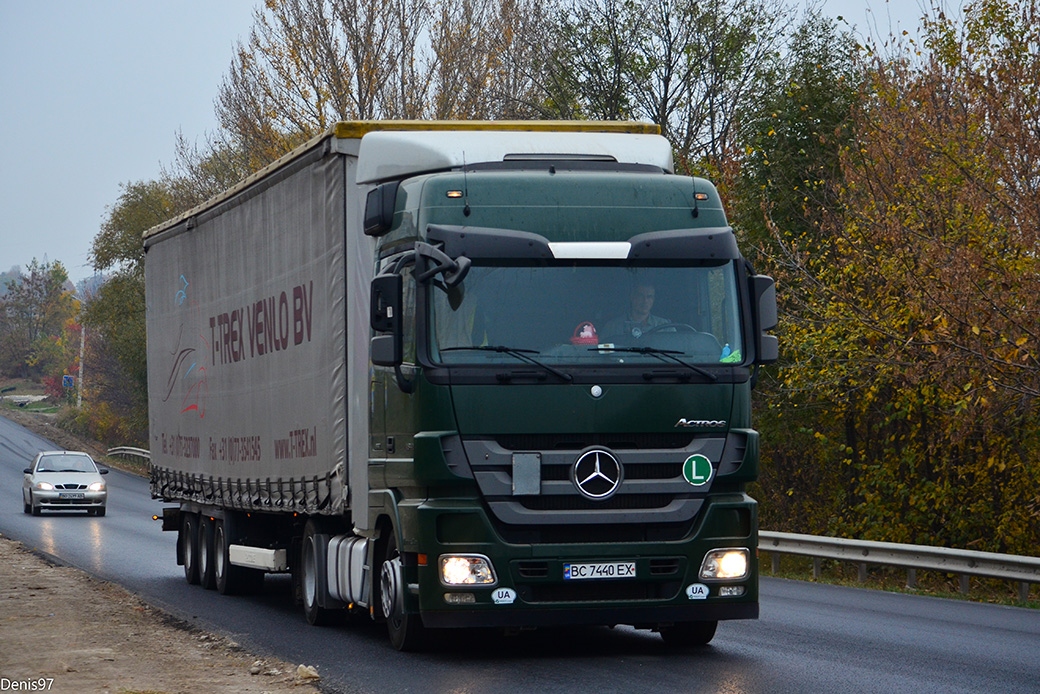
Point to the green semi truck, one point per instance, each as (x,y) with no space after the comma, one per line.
(464,374)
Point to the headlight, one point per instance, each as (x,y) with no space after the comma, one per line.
(45,486)
(466,570)
(730,564)
(97,487)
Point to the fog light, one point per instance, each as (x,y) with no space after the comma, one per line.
(731,591)
(460,598)
(466,569)
(725,564)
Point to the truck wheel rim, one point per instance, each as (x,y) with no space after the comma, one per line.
(218,552)
(388,588)
(309,582)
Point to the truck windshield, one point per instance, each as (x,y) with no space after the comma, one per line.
(584,314)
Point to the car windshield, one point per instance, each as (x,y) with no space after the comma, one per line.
(66,463)
(588,314)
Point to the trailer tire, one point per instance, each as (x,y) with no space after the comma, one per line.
(206,559)
(406,631)
(230,579)
(689,634)
(189,546)
(309,582)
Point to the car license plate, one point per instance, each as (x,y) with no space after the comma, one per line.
(71,495)
(615,569)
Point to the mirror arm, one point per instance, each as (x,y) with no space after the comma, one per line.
(407,385)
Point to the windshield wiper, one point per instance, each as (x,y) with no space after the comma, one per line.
(662,354)
(521,354)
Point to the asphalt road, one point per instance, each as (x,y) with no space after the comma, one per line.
(810,638)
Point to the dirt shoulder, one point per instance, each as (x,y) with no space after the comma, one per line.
(62,630)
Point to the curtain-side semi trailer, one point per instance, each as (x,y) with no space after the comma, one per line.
(460,375)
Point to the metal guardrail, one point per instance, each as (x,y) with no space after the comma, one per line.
(130,452)
(1012,567)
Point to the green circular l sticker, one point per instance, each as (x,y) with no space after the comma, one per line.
(697,470)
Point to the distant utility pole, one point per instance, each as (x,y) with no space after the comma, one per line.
(82,349)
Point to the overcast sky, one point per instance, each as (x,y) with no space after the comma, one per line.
(93,93)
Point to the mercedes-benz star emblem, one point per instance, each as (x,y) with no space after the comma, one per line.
(596,474)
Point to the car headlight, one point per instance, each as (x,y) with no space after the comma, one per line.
(466,570)
(731,564)
(97,487)
(45,486)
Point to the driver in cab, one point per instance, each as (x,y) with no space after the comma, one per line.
(638,319)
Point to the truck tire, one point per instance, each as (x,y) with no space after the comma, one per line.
(309,582)
(406,631)
(689,634)
(206,558)
(230,579)
(189,542)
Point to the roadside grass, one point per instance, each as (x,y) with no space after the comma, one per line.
(21,386)
(12,388)
(892,579)
(42,407)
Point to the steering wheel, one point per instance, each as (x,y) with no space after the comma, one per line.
(679,328)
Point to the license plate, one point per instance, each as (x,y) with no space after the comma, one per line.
(615,569)
(71,495)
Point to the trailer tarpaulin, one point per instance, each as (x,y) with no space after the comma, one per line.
(247,341)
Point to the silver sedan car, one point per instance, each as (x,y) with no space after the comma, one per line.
(64,480)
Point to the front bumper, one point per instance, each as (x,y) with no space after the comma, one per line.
(531,588)
(56,499)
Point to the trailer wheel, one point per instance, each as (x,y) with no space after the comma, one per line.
(189,542)
(407,632)
(689,634)
(309,583)
(230,579)
(206,558)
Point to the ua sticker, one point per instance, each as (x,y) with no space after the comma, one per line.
(697,591)
(504,596)
(697,470)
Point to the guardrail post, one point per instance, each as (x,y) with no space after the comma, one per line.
(817,568)
(1023,591)
(965,579)
(911,578)
(775,556)
(863,572)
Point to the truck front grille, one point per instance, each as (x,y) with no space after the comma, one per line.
(653,501)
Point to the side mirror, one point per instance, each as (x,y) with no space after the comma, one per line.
(379,209)
(27,470)
(103,471)
(763,293)
(387,350)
